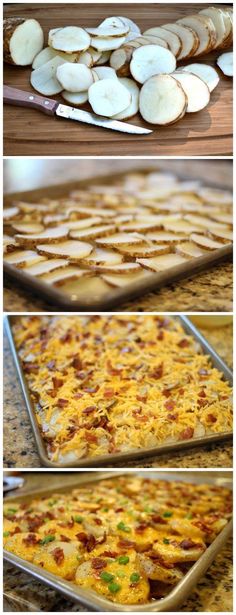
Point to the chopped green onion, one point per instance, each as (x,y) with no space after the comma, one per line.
(123,527)
(166,541)
(167,514)
(5,534)
(52,502)
(189,516)
(148,509)
(46,539)
(120,574)
(11,511)
(106,576)
(114,587)
(105,509)
(135,577)
(78,518)
(123,559)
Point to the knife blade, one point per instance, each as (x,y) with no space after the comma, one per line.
(12,96)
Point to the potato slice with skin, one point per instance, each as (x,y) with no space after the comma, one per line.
(123,268)
(189,249)
(114,22)
(181,226)
(207,73)
(222,218)
(196,90)
(205,242)
(50,235)
(93,232)
(215,196)
(85,223)
(156,40)
(105,72)
(120,60)
(44,79)
(75,98)
(48,54)
(28,227)
(45,266)
(107,44)
(144,250)
(172,39)
(106,31)
(23,258)
(120,280)
(119,239)
(22,40)
(60,277)
(226,235)
(103,257)
(151,60)
(188,37)
(133,107)
(162,237)
(217,17)
(104,57)
(74,77)
(225,63)
(70,39)
(201,221)
(108,97)
(86,59)
(133,27)
(95,76)
(153,570)
(160,263)
(71,249)
(10,213)
(161,102)
(205,30)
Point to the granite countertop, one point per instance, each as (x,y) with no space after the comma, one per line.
(213,593)
(19,445)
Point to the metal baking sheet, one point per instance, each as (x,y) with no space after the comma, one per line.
(135,454)
(113,296)
(93,601)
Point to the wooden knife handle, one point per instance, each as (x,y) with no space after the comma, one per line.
(11,96)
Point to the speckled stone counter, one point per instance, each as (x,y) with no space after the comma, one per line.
(21,593)
(19,444)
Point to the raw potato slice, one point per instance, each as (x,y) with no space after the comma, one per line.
(130,23)
(120,60)
(50,235)
(93,232)
(75,98)
(172,39)
(70,39)
(9,243)
(95,76)
(114,22)
(216,196)
(119,239)
(107,44)
(67,274)
(151,60)
(196,90)
(222,218)
(228,21)
(222,234)
(106,31)
(120,280)
(204,222)
(225,63)
(163,237)
(207,73)
(10,213)
(188,37)
(162,100)
(217,17)
(85,223)
(122,268)
(160,263)
(28,227)
(103,257)
(48,54)
(96,55)
(44,79)
(156,40)
(144,250)
(46,266)
(133,107)
(108,97)
(181,226)
(205,30)
(74,77)
(205,242)
(105,72)
(72,250)
(22,40)
(23,258)
(104,57)
(189,249)
(86,59)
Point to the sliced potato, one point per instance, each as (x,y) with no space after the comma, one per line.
(206,72)
(71,249)
(114,22)
(216,15)
(104,57)
(9,243)
(50,235)
(74,77)
(133,27)
(205,242)
(44,79)
(120,280)
(22,40)
(105,31)
(189,249)
(156,40)
(222,218)
(70,39)
(202,221)
(164,237)
(107,44)
(162,100)
(196,90)
(47,265)
(61,276)
(10,213)
(119,239)
(103,257)
(215,196)
(108,97)
(85,223)
(75,98)
(181,226)
(121,268)
(189,39)
(86,59)
(225,63)
(145,250)
(120,60)
(48,54)
(93,232)
(151,60)
(105,72)
(205,30)
(172,39)
(23,258)
(27,227)
(133,107)
(160,263)
(221,234)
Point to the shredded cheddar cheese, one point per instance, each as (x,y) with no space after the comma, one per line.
(112,384)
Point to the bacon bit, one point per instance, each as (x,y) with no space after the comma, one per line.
(91,543)
(181,391)
(91,389)
(51,364)
(126,544)
(58,555)
(35,523)
(211,418)
(67,337)
(119,509)
(170,405)
(82,537)
(89,410)
(142,417)
(78,395)
(160,336)
(157,557)
(112,370)
(163,323)
(141,527)
(62,402)
(52,393)
(203,372)
(187,433)
(222,397)
(111,554)
(17,530)
(31,539)
(57,382)
(202,393)
(30,368)
(81,375)
(158,372)
(65,538)
(189,544)
(98,564)
(61,509)
(158,519)
(69,524)
(89,437)
(202,403)
(172,417)
(141,398)
(166,392)
(202,526)
(77,363)
(98,521)
(184,343)
(108,393)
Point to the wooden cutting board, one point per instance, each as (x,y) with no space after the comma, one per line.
(28,132)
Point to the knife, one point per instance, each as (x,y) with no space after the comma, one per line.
(11,96)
